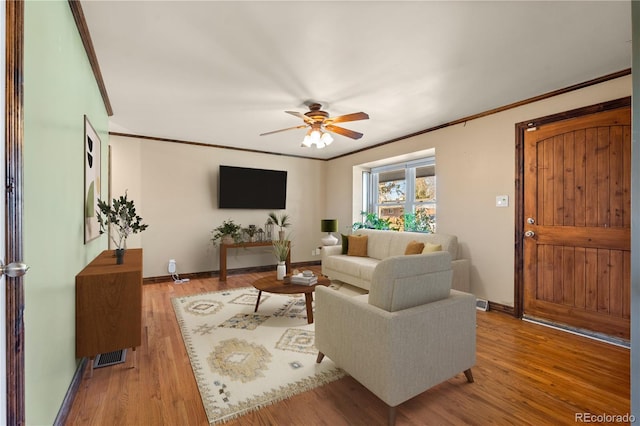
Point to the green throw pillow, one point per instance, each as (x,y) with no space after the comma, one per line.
(345,244)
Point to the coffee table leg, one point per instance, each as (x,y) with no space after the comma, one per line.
(308,298)
(258,301)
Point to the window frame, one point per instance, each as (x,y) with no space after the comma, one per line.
(371,187)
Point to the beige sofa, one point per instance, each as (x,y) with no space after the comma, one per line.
(358,271)
(408,334)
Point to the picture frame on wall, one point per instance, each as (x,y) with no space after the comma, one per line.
(92,161)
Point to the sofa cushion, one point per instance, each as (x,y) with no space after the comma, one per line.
(402,282)
(358,267)
(430,248)
(357,245)
(414,247)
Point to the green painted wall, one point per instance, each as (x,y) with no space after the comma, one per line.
(635,219)
(59,89)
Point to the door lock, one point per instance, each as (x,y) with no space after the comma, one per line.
(531,221)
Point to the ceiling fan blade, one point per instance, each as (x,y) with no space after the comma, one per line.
(301,115)
(284,130)
(344,132)
(348,117)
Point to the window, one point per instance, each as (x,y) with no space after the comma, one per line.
(404,194)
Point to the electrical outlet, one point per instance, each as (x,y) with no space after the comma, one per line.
(172,266)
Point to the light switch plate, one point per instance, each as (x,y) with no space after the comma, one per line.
(502,201)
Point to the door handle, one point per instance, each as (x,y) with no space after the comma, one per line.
(529,234)
(14,269)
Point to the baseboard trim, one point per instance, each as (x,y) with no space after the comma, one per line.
(65,408)
(493,306)
(213,274)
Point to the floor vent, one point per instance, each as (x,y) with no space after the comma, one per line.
(482,305)
(110,358)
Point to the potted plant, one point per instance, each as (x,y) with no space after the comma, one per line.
(281,222)
(371,221)
(121,214)
(228,233)
(251,232)
(281,251)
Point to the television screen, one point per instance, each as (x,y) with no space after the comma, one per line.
(245,188)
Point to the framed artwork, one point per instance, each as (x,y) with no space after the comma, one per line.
(91,181)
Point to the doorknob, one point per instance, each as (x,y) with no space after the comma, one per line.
(14,269)
(529,234)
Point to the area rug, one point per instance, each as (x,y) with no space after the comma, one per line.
(242,360)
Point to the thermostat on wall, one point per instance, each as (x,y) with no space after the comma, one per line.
(502,201)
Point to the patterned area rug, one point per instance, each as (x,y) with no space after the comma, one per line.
(243,360)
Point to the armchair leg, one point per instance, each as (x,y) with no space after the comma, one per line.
(468,375)
(392,416)
(320,357)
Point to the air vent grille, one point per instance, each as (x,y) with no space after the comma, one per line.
(110,358)
(482,305)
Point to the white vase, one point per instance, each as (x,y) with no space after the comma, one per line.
(281,271)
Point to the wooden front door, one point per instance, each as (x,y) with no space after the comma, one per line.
(577,213)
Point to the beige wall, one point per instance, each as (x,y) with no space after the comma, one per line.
(475,162)
(174,187)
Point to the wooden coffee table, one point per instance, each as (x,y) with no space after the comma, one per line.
(271,285)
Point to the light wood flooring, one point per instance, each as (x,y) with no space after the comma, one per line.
(525,374)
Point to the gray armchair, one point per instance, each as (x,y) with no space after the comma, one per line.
(408,334)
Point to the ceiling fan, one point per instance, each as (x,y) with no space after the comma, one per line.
(319,122)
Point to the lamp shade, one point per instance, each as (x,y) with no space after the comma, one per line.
(329,225)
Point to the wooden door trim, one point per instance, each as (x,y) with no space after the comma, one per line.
(521,128)
(14,209)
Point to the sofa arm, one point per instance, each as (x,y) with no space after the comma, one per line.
(396,355)
(330,251)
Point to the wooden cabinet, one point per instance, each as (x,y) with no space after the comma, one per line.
(109,304)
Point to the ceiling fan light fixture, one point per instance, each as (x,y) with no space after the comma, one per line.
(306,142)
(319,124)
(318,138)
(315,136)
(326,139)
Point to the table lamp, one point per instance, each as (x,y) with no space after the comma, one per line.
(329,226)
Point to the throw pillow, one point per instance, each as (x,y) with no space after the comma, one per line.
(357,245)
(345,243)
(430,248)
(414,247)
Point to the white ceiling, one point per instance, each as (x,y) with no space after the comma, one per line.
(222,72)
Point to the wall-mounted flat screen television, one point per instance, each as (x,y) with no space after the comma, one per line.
(246,188)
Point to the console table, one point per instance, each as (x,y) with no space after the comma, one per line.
(109,305)
(225,247)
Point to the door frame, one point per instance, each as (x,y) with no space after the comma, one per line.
(14,118)
(521,128)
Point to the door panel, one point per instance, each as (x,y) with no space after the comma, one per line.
(577,190)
